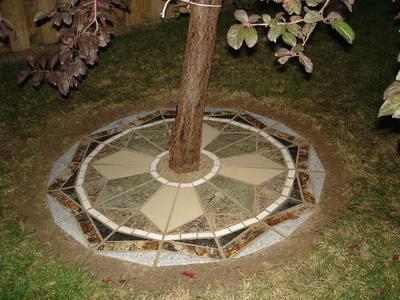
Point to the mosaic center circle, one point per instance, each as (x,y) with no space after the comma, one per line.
(256,179)
(209,166)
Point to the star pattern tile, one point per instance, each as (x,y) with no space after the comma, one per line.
(260,177)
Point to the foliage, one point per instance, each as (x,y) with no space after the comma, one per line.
(294,26)
(86,27)
(391,97)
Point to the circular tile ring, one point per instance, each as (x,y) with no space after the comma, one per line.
(211,174)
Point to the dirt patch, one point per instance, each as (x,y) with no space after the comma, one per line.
(29,201)
(165,171)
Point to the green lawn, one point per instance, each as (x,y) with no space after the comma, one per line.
(341,97)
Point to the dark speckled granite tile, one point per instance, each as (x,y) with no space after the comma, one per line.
(303,158)
(80,152)
(140,221)
(118,186)
(88,229)
(121,237)
(191,250)
(135,198)
(130,246)
(71,193)
(276,184)
(226,139)
(229,237)
(198,225)
(220,221)
(200,242)
(308,192)
(64,176)
(103,229)
(287,205)
(295,192)
(292,213)
(91,148)
(140,144)
(160,138)
(118,216)
(67,202)
(215,201)
(264,198)
(242,192)
(268,150)
(122,142)
(244,240)
(245,146)
(253,121)
(93,184)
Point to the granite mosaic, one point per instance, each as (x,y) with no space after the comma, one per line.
(106,193)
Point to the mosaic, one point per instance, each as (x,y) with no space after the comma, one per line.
(112,193)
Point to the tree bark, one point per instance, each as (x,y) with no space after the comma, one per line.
(186,137)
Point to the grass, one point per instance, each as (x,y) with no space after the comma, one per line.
(341,97)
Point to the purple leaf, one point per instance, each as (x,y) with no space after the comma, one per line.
(24,75)
(31,61)
(42,60)
(37,78)
(63,84)
(51,77)
(54,59)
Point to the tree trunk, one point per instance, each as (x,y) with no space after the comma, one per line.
(186,138)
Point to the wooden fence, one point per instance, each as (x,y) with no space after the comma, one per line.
(22,12)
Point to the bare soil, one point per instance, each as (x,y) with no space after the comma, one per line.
(206,164)
(29,201)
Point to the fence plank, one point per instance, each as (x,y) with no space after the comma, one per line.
(15,12)
(49,33)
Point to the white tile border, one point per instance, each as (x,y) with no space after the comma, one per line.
(211,174)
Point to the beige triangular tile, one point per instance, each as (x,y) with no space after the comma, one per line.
(249,175)
(158,208)
(209,133)
(187,208)
(125,157)
(118,171)
(251,160)
(122,164)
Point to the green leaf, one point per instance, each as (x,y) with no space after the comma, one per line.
(254,18)
(292,6)
(236,36)
(266,18)
(40,15)
(284,59)
(289,38)
(306,62)
(348,4)
(344,30)
(392,90)
(282,52)
(294,29)
(313,3)
(250,37)
(275,30)
(390,107)
(241,16)
(334,16)
(313,16)
(298,48)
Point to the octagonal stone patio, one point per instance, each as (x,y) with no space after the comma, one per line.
(259,182)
